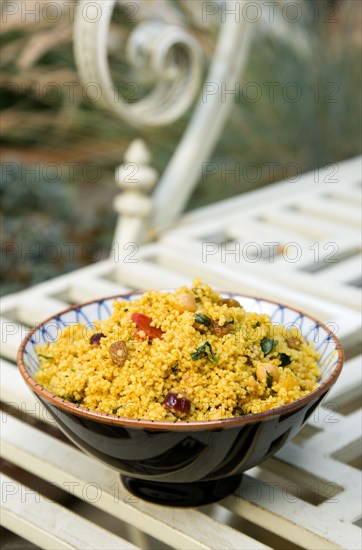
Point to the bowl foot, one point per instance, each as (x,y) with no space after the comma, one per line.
(182,494)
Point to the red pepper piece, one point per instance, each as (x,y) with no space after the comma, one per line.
(144,323)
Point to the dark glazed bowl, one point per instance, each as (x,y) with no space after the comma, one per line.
(183,463)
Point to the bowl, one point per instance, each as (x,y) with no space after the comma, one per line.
(182,463)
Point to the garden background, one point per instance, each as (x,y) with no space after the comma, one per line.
(297,108)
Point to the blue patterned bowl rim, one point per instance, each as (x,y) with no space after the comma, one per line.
(330,349)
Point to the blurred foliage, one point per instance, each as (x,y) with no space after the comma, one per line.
(267,133)
(33,247)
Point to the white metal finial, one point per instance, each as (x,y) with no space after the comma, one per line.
(134,206)
(138,152)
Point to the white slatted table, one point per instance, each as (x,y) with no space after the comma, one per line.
(309,494)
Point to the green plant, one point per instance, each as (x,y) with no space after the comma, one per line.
(43,234)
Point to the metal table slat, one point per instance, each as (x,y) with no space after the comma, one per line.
(349,384)
(324,207)
(15,393)
(277,273)
(48,525)
(12,333)
(295,521)
(326,452)
(73,471)
(146,274)
(86,289)
(283,192)
(34,308)
(246,281)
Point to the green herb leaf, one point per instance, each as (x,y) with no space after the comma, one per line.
(205,350)
(267,345)
(202,319)
(269,380)
(174,368)
(284,359)
(46,357)
(212,356)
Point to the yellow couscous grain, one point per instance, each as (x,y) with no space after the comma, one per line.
(212,357)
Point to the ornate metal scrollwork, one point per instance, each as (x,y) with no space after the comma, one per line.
(167,52)
(175,60)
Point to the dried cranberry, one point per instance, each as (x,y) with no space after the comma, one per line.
(178,405)
(95,339)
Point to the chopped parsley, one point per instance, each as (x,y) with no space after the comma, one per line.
(205,350)
(284,359)
(174,368)
(269,380)
(46,357)
(202,319)
(267,345)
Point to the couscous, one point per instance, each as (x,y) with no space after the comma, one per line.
(187,355)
